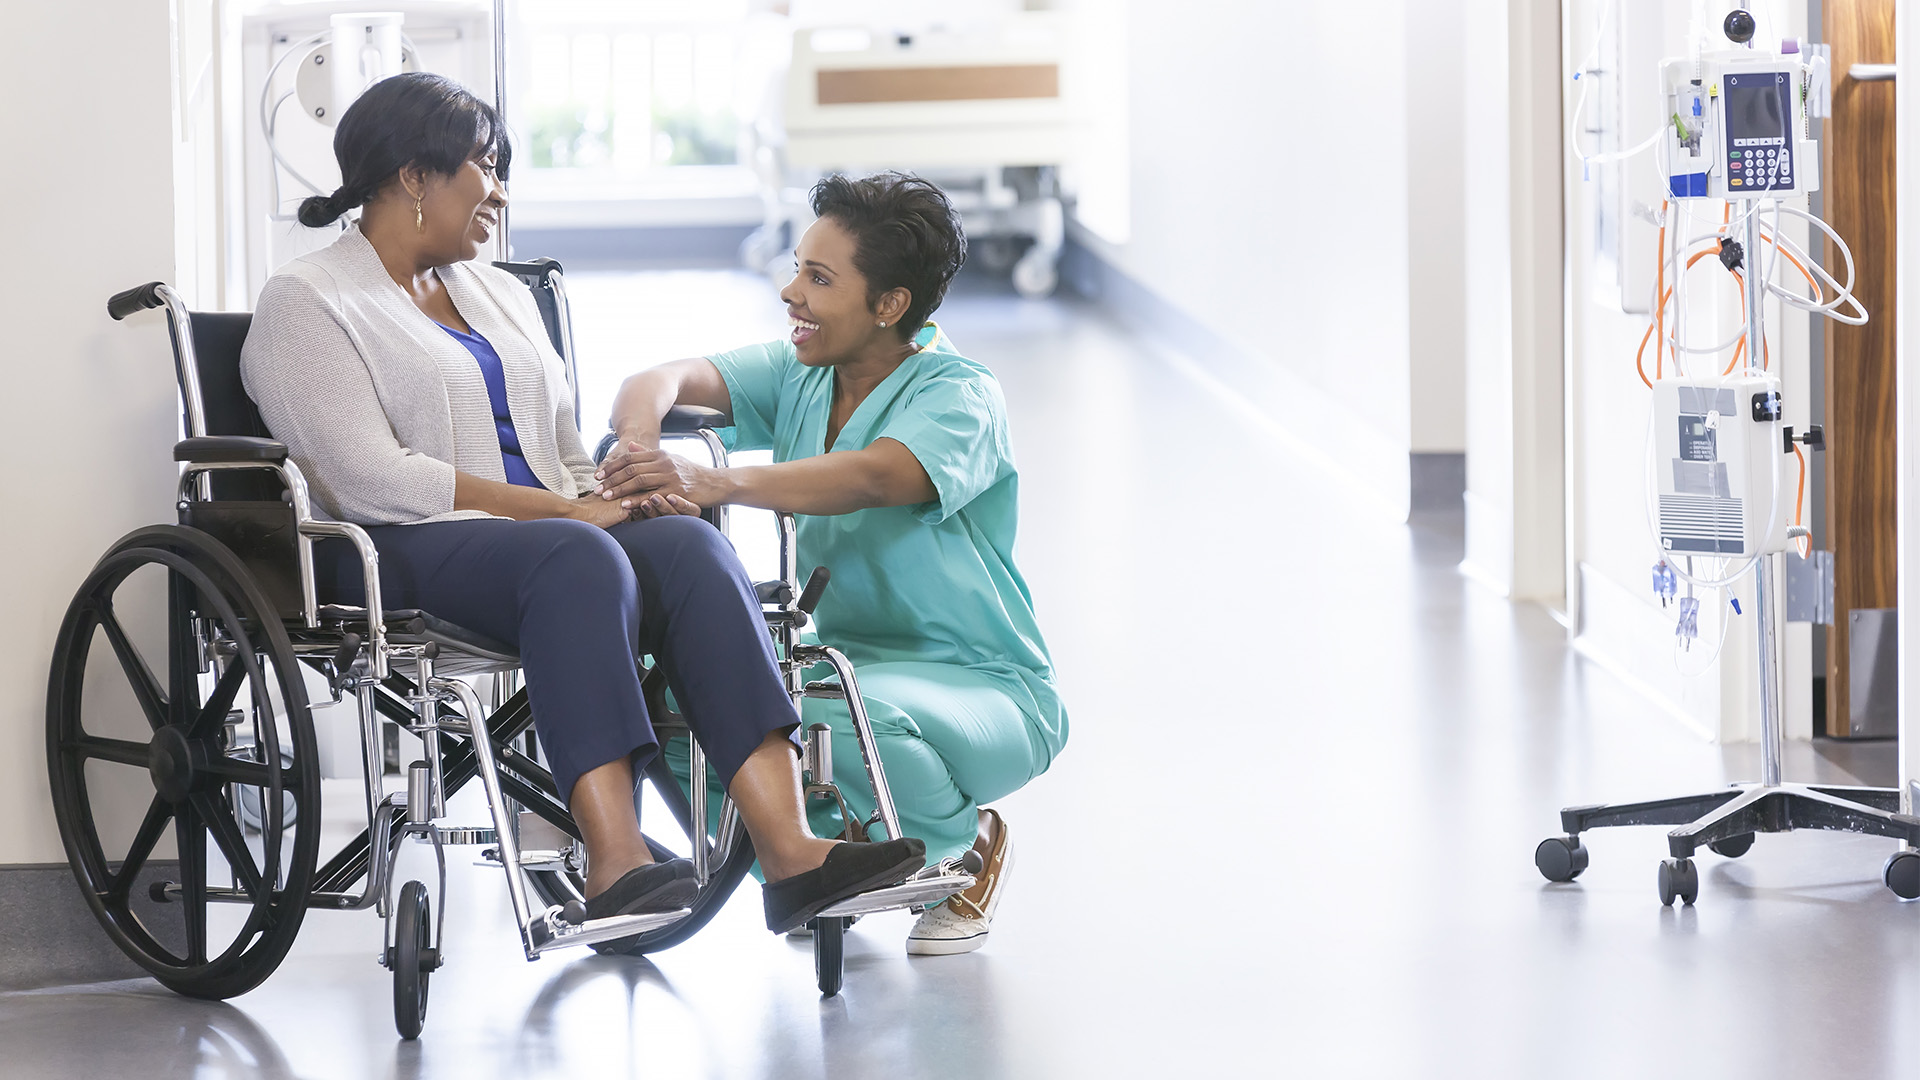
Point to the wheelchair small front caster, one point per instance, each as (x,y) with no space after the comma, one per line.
(1560,858)
(1902,874)
(413,959)
(829,954)
(1678,881)
(1733,846)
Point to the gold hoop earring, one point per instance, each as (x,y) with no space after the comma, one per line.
(419,219)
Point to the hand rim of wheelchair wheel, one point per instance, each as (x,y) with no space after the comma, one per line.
(183,760)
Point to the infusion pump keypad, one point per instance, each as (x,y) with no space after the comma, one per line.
(1760,168)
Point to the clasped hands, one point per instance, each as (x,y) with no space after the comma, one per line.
(651,483)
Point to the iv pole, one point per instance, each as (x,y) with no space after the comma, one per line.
(1727,820)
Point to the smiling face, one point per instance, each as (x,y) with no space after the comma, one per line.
(828,314)
(459,213)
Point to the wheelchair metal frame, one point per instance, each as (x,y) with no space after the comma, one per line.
(363,656)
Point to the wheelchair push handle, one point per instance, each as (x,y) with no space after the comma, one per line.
(816,584)
(138,298)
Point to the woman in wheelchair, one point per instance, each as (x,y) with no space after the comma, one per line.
(417,390)
(894,449)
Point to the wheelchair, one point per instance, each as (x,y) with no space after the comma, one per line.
(223,731)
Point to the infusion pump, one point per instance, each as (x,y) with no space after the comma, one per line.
(1739,124)
(1720,452)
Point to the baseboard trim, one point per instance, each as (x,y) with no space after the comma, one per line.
(1437,481)
(48,936)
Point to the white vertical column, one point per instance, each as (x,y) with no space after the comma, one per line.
(1514,251)
(1907,407)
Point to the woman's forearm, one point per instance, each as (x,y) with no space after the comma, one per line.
(645,398)
(642,401)
(884,474)
(514,501)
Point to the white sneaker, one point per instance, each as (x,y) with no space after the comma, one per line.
(960,923)
(942,931)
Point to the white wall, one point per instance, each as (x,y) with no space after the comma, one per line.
(1270,202)
(1436,232)
(89,410)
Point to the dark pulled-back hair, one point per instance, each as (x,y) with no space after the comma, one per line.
(905,234)
(409,119)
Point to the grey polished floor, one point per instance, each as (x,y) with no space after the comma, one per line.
(1291,835)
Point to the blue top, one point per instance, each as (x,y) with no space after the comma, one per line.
(515,462)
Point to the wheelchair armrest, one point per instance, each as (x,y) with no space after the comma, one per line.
(229,448)
(687,419)
(680,420)
(537,269)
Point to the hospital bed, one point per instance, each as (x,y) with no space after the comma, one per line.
(984,108)
(213,746)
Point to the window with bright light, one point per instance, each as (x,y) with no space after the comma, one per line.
(621,90)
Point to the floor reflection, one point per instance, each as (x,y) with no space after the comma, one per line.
(133,1029)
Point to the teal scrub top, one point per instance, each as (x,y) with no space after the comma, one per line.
(935,582)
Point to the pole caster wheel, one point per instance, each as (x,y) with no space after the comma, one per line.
(1679,880)
(1733,846)
(1560,858)
(829,954)
(1902,874)
(412,959)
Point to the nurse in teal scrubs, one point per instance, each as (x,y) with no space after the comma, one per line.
(893,451)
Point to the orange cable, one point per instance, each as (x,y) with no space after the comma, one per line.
(1804,544)
(1660,313)
(1659,323)
(1639,359)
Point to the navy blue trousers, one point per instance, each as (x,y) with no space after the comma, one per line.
(582,604)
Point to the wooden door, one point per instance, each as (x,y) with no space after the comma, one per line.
(1860,461)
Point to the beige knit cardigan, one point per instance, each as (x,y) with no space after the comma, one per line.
(379,406)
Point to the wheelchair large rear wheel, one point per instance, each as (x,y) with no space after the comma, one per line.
(129,740)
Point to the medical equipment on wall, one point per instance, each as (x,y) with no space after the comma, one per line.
(983,105)
(1736,144)
(335,67)
(298,80)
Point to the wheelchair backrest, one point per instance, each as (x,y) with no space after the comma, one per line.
(217,338)
(549,286)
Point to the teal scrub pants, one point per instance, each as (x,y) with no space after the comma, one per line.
(950,739)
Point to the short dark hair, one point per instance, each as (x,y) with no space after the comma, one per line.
(906,234)
(411,119)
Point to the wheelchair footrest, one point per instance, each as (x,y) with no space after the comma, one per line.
(913,892)
(549,931)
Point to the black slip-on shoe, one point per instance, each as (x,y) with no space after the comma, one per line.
(850,869)
(644,890)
